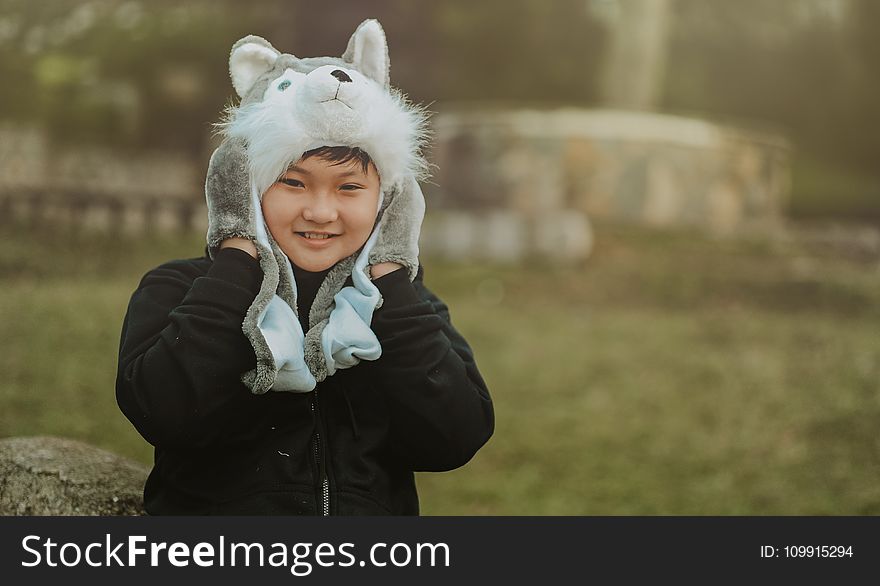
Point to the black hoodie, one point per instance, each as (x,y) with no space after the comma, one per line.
(348,447)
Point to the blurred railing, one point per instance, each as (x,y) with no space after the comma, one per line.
(90,211)
(93,188)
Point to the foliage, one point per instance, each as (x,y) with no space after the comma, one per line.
(519,51)
(118,72)
(788,62)
(155,74)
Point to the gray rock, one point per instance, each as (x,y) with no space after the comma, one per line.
(55,476)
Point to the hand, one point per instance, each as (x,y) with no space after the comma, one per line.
(227,192)
(383,268)
(398,240)
(241,244)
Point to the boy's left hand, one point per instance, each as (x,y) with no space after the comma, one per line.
(398,241)
(382,269)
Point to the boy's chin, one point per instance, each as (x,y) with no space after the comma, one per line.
(311,263)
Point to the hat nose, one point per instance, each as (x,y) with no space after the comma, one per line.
(340,75)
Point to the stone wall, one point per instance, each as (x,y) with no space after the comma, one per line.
(507,236)
(641,167)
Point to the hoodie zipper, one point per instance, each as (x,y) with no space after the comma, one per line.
(319,461)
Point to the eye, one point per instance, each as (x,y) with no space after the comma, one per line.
(292,182)
(350,187)
(283,85)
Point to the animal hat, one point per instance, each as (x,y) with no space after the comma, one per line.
(291,105)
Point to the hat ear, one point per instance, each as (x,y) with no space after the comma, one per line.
(367,51)
(250,58)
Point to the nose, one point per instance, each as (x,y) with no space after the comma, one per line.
(340,75)
(320,210)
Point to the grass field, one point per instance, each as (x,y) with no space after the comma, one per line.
(670,374)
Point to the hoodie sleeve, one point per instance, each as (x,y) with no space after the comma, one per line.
(441,411)
(182,352)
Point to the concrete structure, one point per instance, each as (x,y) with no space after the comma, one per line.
(632,166)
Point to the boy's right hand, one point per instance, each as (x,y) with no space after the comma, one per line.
(398,240)
(227,192)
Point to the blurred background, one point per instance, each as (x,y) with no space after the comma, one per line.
(656,221)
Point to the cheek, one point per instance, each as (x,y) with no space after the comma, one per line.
(277,209)
(363,216)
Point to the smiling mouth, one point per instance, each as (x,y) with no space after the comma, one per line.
(315,235)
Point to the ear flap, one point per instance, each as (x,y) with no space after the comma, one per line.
(368,51)
(251,57)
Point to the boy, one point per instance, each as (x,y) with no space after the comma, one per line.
(301,366)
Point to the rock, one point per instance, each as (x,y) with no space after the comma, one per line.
(55,476)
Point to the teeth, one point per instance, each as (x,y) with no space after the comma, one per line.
(312,236)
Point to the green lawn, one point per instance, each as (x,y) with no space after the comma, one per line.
(671,374)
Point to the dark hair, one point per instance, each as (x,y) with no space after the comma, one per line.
(340,155)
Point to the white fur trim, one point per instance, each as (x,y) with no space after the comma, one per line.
(303,116)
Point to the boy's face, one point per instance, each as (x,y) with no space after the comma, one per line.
(317,196)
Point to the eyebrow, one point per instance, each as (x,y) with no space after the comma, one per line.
(302,171)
